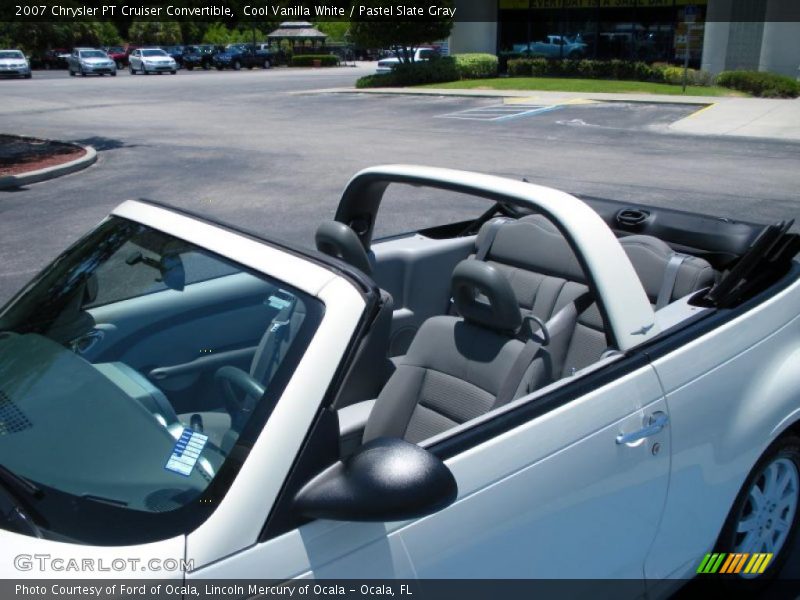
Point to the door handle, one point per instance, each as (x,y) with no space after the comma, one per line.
(656,423)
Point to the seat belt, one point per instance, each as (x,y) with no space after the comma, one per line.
(564,320)
(670,277)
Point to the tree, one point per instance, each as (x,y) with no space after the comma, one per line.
(158,33)
(335,30)
(401,36)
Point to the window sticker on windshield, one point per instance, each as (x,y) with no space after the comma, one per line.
(186,452)
(278,303)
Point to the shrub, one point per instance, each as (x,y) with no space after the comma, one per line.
(764,85)
(476,66)
(604,69)
(528,67)
(307,60)
(436,70)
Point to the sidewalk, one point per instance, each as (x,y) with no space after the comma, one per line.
(725,116)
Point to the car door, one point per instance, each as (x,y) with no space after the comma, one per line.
(557,496)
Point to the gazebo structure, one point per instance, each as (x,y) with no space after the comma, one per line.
(298,33)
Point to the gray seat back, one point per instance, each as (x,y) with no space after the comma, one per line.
(651,259)
(455,366)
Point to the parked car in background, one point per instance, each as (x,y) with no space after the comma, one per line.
(13,63)
(386,65)
(554,46)
(200,56)
(118,54)
(51,59)
(151,60)
(236,56)
(90,61)
(176,52)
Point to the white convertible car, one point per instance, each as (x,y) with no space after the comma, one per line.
(556,389)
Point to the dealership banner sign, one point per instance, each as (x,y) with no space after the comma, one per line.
(236,11)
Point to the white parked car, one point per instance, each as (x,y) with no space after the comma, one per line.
(554,46)
(555,383)
(90,61)
(151,60)
(387,65)
(14,63)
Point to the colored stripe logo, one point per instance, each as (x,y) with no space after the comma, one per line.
(754,564)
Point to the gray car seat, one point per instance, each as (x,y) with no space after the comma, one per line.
(546,276)
(371,367)
(666,275)
(456,367)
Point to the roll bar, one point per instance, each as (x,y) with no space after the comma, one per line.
(619,293)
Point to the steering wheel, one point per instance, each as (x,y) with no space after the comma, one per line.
(241,391)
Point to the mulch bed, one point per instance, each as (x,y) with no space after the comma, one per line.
(21,155)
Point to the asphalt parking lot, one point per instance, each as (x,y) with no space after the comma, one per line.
(263,150)
(259,149)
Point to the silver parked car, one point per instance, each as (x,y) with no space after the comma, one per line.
(13,63)
(90,61)
(151,60)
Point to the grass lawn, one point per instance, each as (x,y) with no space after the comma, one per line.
(558,84)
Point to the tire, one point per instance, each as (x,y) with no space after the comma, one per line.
(144,71)
(83,73)
(237,65)
(29,76)
(206,66)
(173,72)
(113,73)
(71,73)
(219,68)
(120,66)
(131,70)
(190,67)
(769,497)
(266,64)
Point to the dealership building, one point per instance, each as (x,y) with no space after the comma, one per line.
(719,34)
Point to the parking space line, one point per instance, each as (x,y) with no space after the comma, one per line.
(499,112)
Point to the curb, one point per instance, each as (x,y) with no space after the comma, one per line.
(686,101)
(15,181)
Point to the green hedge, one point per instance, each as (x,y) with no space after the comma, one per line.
(307,60)
(625,70)
(436,70)
(476,66)
(765,85)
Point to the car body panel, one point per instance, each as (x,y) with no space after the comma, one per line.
(731,393)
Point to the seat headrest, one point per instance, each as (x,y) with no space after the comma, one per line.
(338,240)
(483,296)
(533,243)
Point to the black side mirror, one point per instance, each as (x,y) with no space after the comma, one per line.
(388,479)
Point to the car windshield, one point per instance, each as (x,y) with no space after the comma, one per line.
(135,373)
(116,49)
(11,54)
(153,53)
(93,54)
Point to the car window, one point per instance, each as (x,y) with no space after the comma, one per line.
(138,370)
